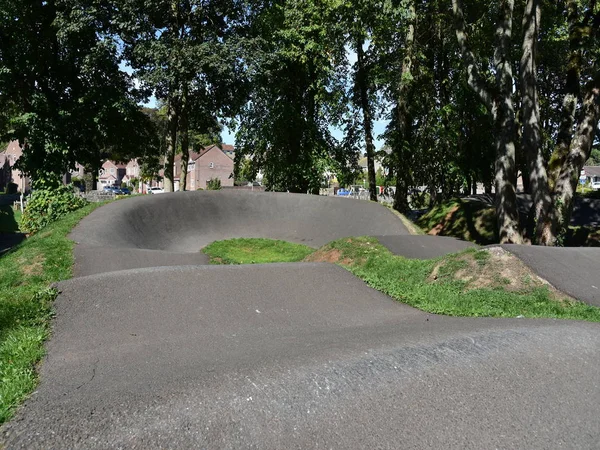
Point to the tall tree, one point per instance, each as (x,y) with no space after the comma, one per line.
(285,125)
(60,73)
(498,100)
(181,50)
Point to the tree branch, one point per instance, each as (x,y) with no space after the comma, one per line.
(474,78)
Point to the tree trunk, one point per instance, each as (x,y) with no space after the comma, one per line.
(172,119)
(403,116)
(499,103)
(557,219)
(185,142)
(535,172)
(362,78)
(570,100)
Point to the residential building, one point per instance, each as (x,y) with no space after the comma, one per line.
(111,174)
(591,174)
(8,173)
(211,162)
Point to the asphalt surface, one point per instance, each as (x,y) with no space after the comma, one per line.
(289,355)
(423,247)
(185,222)
(299,356)
(574,271)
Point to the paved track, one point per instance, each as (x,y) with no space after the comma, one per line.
(575,271)
(287,355)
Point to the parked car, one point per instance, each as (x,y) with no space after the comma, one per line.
(156,190)
(343,192)
(113,189)
(595,185)
(124,191)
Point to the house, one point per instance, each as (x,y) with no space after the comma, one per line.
(211,162)
(592,176)
(8,174)
(111,174)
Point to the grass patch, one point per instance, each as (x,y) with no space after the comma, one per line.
(26,299)
(475,283)
(10,220)
(255,251)
(469,221)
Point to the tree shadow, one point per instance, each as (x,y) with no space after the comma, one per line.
(10,235)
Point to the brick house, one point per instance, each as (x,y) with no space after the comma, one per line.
(111,174)
(210,162)
(8,174)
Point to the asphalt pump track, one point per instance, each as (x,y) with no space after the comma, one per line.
(153,348)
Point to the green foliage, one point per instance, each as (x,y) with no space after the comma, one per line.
(594,159)
(296,96)
(214,184)
(49,205)
(25,305)
(255,251)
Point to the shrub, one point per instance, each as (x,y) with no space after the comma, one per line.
(214,184)
(47,205)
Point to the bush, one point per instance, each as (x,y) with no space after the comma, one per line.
(47,205)
(214,184)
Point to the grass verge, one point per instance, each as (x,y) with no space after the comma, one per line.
(476,283)
(26,297)
(255,251)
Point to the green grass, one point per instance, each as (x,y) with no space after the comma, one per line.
(255,251)
(409,281)
(470,221)
(10,220)
(26,274)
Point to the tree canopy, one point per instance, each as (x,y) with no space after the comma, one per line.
(474,93)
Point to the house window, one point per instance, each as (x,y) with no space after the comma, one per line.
(211,165)
(112,170)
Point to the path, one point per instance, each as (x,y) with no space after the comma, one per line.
(289,355)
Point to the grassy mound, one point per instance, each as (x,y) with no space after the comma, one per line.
(255,251)
(26,274)
(490,283)
(469,221)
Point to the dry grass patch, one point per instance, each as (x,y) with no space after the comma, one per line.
(34,267)
(491,268)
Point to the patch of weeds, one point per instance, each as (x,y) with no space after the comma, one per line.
(255,251)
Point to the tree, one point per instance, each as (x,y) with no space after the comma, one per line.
(186,53)
(498,100)
(285,124)
(67,100)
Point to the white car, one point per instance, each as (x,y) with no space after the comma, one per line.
(156,190)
